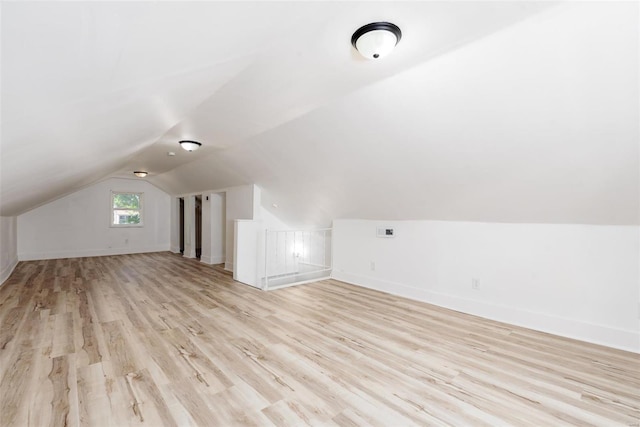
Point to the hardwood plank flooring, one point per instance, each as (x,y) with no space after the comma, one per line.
(156,339)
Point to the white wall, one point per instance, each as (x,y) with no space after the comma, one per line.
(79,224)
(272,222)
(213,228)
(580,281)
(248,252)
(175,225)
(8,246)
(240,204)
(189,227)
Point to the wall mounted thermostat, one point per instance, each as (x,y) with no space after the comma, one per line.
(385,232)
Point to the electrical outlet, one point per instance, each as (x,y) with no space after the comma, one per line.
(373,266)
(475,284)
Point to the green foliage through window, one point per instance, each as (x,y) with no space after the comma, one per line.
(126,209)
(126,200)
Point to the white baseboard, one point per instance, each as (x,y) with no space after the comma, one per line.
(622,339)
(7,270)
(90,253)
(228,266)
(275,288)
(175,249)
(212,259)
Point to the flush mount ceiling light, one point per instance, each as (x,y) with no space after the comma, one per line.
(376,40)
(190,145)
(140,174)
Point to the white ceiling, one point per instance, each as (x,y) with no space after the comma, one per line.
(486,111)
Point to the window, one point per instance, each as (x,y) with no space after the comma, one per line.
(126,209)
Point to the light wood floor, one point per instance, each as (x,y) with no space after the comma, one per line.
(155,339)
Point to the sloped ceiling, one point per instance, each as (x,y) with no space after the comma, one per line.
(486,111)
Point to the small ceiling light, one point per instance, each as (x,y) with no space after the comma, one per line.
(171,153)
(190,145)
(376,40)
(140,174)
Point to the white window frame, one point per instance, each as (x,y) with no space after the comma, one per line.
(140,210)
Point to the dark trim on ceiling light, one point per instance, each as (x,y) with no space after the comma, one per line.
(186,142)
(376,26)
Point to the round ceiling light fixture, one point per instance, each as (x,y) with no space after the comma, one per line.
(190,145)
(140,174)
(376,40)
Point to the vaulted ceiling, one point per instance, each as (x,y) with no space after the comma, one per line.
(486,111)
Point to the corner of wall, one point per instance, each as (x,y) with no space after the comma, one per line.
(8,269)
(9,246)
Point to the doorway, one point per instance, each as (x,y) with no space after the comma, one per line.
(181,225)
(198,218)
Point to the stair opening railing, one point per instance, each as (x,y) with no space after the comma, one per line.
(294,257)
